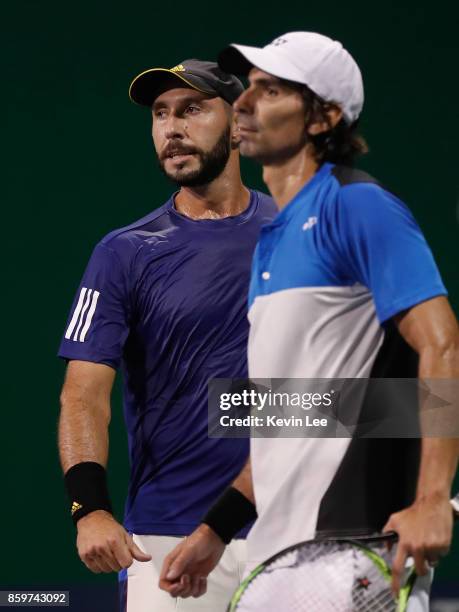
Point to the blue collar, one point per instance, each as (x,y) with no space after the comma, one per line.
(290,209)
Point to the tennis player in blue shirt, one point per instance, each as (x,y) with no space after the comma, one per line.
(164,300)
(344,285)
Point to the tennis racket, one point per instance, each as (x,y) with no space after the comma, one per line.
(327,575)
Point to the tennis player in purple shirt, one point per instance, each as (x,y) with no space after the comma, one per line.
(164,300)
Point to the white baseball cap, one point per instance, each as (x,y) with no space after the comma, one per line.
(308,58)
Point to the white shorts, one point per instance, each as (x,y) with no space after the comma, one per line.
(139,591)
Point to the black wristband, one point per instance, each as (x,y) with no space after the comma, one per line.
(230,513)
(86,485)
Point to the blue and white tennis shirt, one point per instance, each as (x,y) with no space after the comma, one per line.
(329,273)
(165,299)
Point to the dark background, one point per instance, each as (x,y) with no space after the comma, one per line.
(78,161)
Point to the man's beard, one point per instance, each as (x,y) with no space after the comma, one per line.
(212,164)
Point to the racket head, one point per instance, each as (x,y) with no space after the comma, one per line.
(324,574)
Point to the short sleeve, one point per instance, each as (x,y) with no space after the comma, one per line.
(98,324)
(385,249)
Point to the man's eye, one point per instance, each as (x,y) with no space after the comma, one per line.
(272,92)
(191,110)
(160,114)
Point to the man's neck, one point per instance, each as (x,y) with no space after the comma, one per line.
(225,196)
(285,179)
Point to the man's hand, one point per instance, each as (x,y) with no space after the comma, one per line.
(185,569)
(425,531)
(104,545)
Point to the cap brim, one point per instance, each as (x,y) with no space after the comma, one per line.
(240,59)
(145,86)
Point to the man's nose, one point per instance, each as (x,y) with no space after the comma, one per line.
(244,103)
(175,127)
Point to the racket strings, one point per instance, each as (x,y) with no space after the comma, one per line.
(371,590)
(321,577)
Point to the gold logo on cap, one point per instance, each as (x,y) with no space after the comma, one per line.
(178,68)
(75,506)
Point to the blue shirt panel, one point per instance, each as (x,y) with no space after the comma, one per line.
(171,313)
(337,235)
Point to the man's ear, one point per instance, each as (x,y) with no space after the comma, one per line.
(235,134)
(333,116)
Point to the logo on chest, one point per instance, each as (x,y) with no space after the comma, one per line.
(309,223)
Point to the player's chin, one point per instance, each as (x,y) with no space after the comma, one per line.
(253,151)
(183,174)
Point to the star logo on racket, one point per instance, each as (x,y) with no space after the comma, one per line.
(363,583)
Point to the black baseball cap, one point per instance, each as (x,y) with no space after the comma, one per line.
(207,77)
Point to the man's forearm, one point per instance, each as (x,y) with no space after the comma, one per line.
(83,431)
(439,456)
(438,467)
(85,413)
